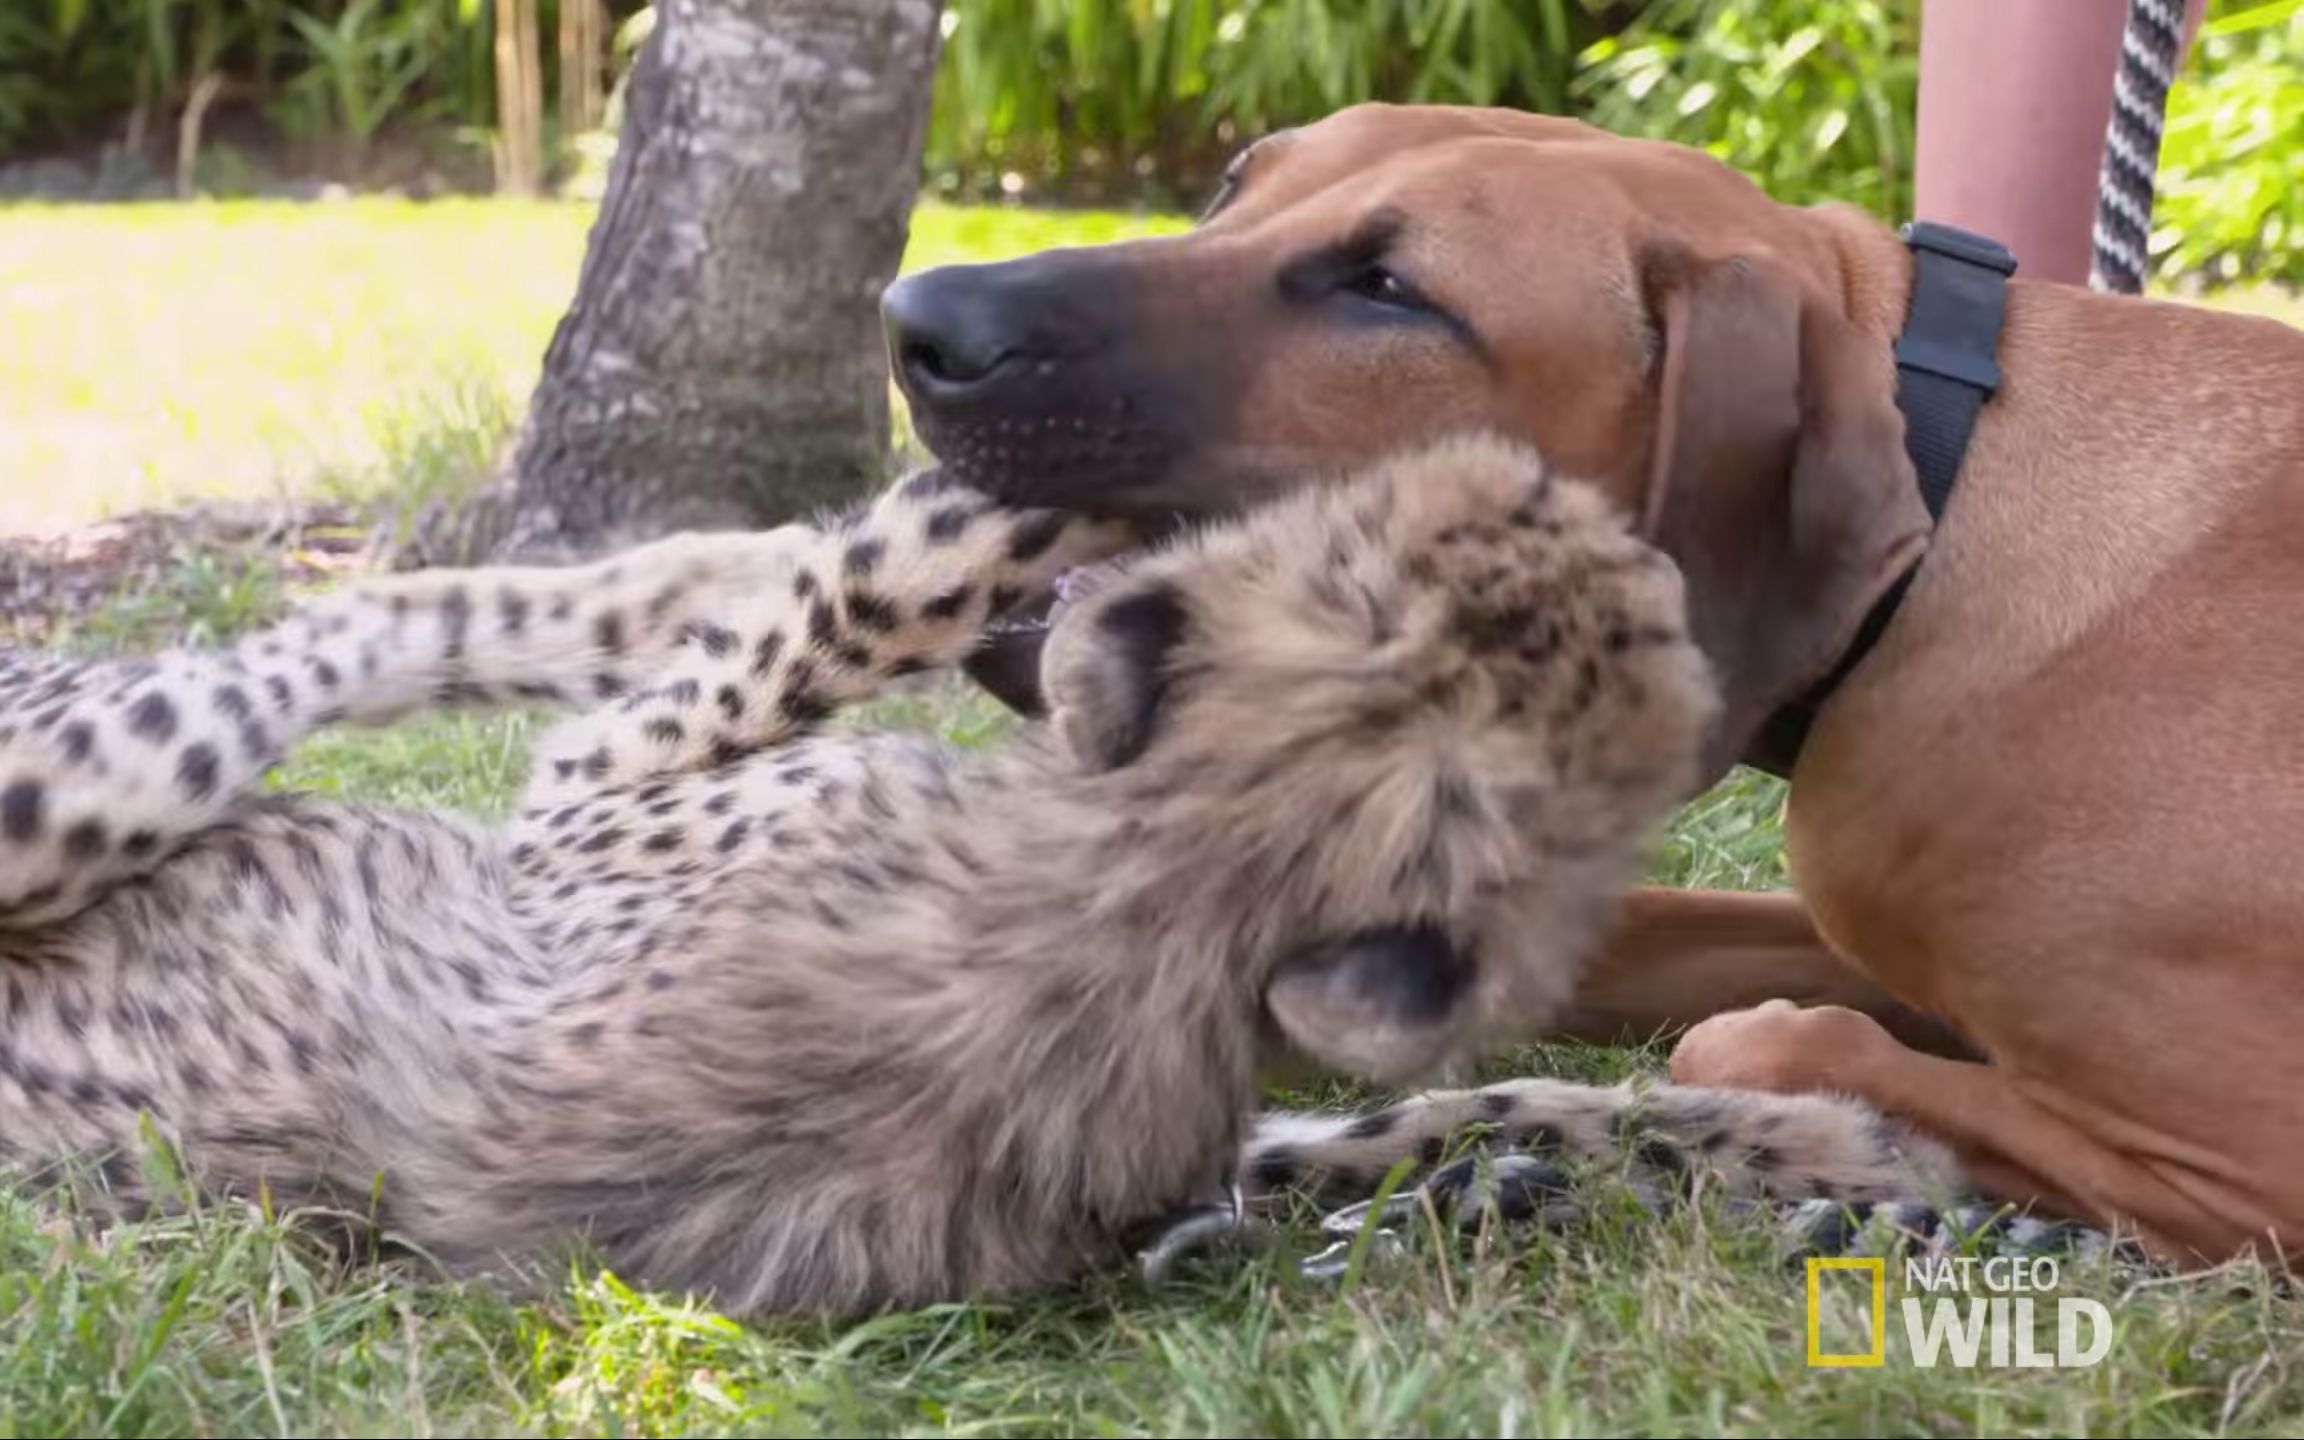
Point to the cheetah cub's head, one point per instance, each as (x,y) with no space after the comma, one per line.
(1397,742)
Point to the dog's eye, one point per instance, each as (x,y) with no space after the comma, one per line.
(1375,283)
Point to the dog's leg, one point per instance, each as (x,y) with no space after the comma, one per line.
(2019,1143)
(1678,957)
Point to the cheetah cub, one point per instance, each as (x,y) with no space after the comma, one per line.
(824,1022)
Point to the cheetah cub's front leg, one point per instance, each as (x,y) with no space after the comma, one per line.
(106,767)
(907,585)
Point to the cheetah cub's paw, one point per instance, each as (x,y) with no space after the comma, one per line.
(908,583)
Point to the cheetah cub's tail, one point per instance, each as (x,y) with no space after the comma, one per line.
(1828,1174)
(1673,1138)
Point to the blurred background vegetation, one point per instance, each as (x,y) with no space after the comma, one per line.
(1131,103)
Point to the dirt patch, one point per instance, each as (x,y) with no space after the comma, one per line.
(51,587)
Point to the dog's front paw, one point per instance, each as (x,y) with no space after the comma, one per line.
(1781,1048)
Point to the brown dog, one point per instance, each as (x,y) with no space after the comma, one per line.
(2059,804)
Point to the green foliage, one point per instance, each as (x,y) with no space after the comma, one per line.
(2231,202)
(363,63)
(72,70)
(62,71)
(1130,96)
(1813,102)
(1160,91)
(1149,97)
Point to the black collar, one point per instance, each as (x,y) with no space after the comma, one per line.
(1945,370)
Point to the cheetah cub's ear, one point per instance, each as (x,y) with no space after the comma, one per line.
(1106,672)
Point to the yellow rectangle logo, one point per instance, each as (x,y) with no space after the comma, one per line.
(1877,1269)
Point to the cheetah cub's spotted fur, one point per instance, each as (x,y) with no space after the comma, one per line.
(818,1022)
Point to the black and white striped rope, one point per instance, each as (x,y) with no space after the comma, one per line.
(2150,49)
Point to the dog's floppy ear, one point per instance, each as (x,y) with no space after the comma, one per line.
(1778,483)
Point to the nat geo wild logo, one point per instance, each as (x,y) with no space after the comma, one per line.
(1959,1310)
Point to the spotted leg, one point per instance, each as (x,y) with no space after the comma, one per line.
(107,766)
(905,585)
(1836,1176)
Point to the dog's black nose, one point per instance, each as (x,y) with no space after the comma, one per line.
(948,332)
(1037,380)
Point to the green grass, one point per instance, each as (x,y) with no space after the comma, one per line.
(222,1323)
(152,353)
(147,353)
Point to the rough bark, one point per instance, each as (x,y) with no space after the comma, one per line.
(722,364)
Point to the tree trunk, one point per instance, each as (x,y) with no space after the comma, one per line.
(581,48)
(519,100)
(722,365)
